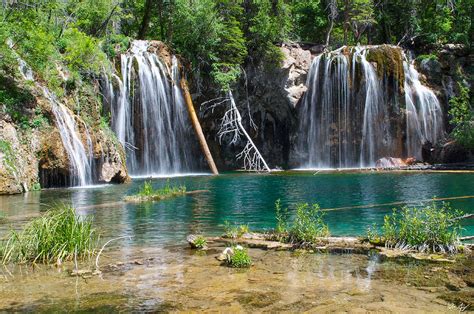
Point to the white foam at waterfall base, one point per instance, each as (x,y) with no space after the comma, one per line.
(149,115)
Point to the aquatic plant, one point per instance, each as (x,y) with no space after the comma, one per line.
(57,236)
(427,229)
(148,193)
(235,231)
(200,242)
(308,224)
(239,258)
(282,217)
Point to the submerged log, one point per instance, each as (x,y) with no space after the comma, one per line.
(197,127)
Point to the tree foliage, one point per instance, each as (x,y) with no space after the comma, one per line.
(218,38)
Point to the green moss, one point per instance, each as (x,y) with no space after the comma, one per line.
(389,61)
(427,57)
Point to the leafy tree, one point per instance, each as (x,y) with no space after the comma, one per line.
(308,19)
(462,117)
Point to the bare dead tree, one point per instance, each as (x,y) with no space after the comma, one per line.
(332,15)
(231,130)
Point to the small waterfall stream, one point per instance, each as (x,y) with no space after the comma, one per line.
(424,114)
(80,160)
(148,114)
(353,112)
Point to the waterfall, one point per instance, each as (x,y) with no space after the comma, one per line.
(352,115)
(80,161)
(424,113)
(148,114)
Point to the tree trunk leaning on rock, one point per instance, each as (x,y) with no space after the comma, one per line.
(197,127)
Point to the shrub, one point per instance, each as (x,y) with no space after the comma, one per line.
(54,237)
(430,57)
(427,229)
(462,118)
(308,224)
(82,52)
(240,258)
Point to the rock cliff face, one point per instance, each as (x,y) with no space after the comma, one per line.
(269,95)
(18,161)
(272,97)
(34,157)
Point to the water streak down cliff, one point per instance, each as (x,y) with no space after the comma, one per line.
(362,104)
(80,159)
(148,114)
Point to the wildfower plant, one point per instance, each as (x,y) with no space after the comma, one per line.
(427,229)
(57,236)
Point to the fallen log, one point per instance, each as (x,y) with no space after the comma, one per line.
(197,127)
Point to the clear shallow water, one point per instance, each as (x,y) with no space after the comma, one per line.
(150,272)
(244,199)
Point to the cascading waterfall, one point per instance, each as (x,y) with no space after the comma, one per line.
(80,161)
(424,114)
(351,115)
(148,114)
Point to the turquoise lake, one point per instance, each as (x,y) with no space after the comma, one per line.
(243,198)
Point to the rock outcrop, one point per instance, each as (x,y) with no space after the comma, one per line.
(269,95)
(34,157)
(18,161)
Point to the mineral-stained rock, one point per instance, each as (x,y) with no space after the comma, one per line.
(18,162)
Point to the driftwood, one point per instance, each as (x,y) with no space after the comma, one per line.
(197,127)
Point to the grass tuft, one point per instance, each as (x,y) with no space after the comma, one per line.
(307,225)
(428,229)
(148,193)
(54,237)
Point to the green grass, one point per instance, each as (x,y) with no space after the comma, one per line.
(427,229)
(54,237)
(240,258)
(307,225)
(148,193)
(235,231)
